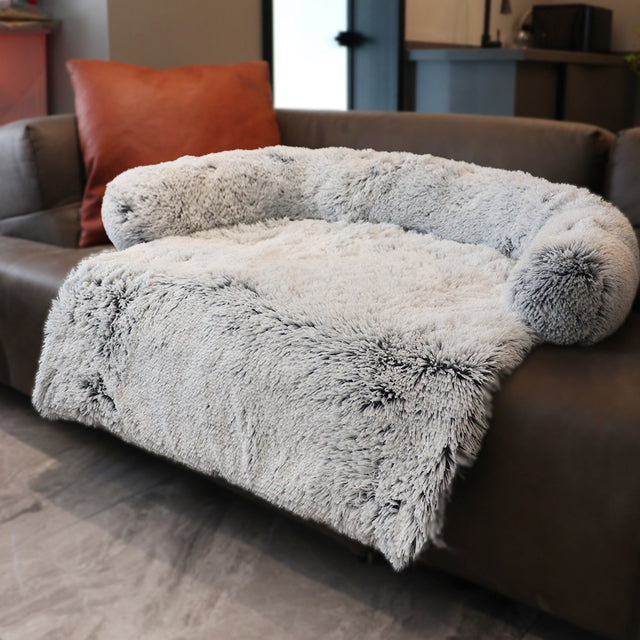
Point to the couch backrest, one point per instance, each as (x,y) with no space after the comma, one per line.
(558,151)
(41,174)
(623,180)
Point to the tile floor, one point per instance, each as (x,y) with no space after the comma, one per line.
(101,541)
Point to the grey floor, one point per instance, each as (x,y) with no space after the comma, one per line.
(101,541)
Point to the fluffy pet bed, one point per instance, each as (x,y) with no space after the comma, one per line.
(325,328)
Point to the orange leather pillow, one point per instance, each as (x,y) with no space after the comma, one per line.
(130,116)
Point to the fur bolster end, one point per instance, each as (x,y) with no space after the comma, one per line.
(147,203)
(577,281)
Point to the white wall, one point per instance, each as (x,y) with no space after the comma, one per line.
(156,33)
(171,33)
(83,33)
(458,21)
(461,21)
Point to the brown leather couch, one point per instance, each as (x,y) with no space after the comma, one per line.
(550,513)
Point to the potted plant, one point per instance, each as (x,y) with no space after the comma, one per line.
(633,59)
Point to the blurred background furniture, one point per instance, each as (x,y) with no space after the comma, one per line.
(594,88)
(23,73)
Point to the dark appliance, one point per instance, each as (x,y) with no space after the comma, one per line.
(572,27)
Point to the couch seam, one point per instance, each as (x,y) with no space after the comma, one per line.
(34,160)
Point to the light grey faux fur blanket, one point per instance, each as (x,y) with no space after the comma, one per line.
(340,370)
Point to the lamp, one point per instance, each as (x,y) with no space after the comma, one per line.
(505,9)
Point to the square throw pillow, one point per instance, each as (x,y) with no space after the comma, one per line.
(130,116)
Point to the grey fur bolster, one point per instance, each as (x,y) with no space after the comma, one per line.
(577,257)
(576,282)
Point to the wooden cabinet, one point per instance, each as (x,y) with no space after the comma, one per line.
(563,85)
(23,74)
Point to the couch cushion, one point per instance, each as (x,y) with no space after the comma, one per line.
(558,151)
(623,185)
(58,226)
(40,170)
(130,116)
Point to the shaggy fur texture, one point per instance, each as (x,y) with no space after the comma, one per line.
(341,371)
(578,256)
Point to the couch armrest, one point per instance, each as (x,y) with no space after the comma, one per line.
(623,185)
(30,275)
(41,179)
